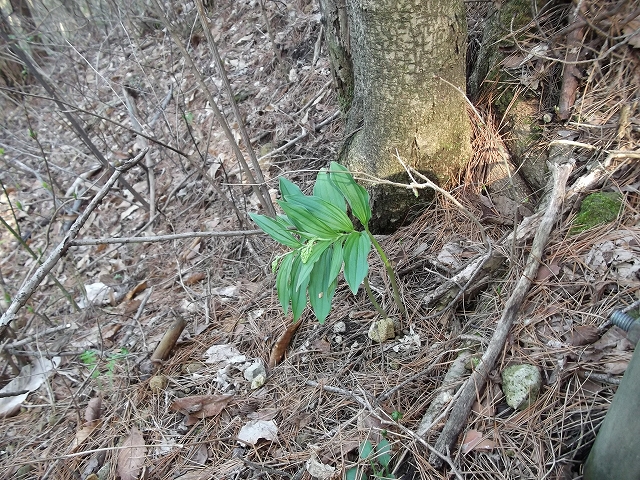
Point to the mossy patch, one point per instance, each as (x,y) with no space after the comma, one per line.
(596,209)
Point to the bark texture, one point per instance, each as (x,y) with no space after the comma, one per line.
(397,50)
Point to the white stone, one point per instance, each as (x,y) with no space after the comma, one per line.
(521,385)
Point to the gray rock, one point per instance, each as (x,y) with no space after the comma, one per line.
(256,374)
(382,330)
(521,385)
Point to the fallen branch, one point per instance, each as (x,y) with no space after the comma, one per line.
(561,165)
(571,75)
(29,287)
(162,238)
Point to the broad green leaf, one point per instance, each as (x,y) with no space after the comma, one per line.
(306,222)
(356,195)
(327,191)
(351,474)
(356,266)
(283,280)
(336,261)
(383,452)
(365,449)
(309,260)
(289,189)
(324,213)
(275,230)
(319,295)
(298,295)
(285,222)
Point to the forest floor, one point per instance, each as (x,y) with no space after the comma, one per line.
(98,408)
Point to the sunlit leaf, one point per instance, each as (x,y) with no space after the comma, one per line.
(283,280)
(336,261)
(365,449)
(356,195)
(383,451)
(356,251)
(308,263)
(289,189)
(305,221)
(324,213)
(275,230)
(298,295)
(326,190)
(351,474)
(319,295)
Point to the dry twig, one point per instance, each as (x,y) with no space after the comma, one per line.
(29,287)
(561,165)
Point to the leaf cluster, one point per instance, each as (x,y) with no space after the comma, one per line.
(379,458)
(323,240)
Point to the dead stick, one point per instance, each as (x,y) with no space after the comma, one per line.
(571,75)
(169,340)
(561,166)
(163,238)
(29,287)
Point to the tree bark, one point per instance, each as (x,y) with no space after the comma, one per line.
(406,57)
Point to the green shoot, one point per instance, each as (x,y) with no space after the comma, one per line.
(324,242)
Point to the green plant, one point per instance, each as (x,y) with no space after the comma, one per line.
(90,359)
(379,459)
(323,240)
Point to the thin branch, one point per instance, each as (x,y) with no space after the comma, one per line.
(29,287)
(266,203)
(35,71)
(162,238)
(217,113)
(561,166)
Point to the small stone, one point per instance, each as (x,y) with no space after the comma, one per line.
(258,381)
(521,385)
(255,374)
(158,383)
(340,327)
(382,330)
(192,367)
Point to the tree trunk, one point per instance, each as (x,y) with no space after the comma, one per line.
(394,51)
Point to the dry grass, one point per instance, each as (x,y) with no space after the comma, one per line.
(548,440)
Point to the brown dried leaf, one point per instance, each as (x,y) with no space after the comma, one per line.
(322,345)
(131,457)
(201,406)
(471,439)
(280,347)
(92,412)
(264,414)
(485,445)
(85,432)
(584,335)
(616,368)
(135,290)
(191,251)
(546,271)
(610,338)
(484,409)
(631,27)
(194,278)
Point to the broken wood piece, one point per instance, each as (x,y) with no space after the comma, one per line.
(169,340)
(561,164)
(449,383)
(571,75)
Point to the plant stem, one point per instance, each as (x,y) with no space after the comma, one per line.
(392,275)
(373,300)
